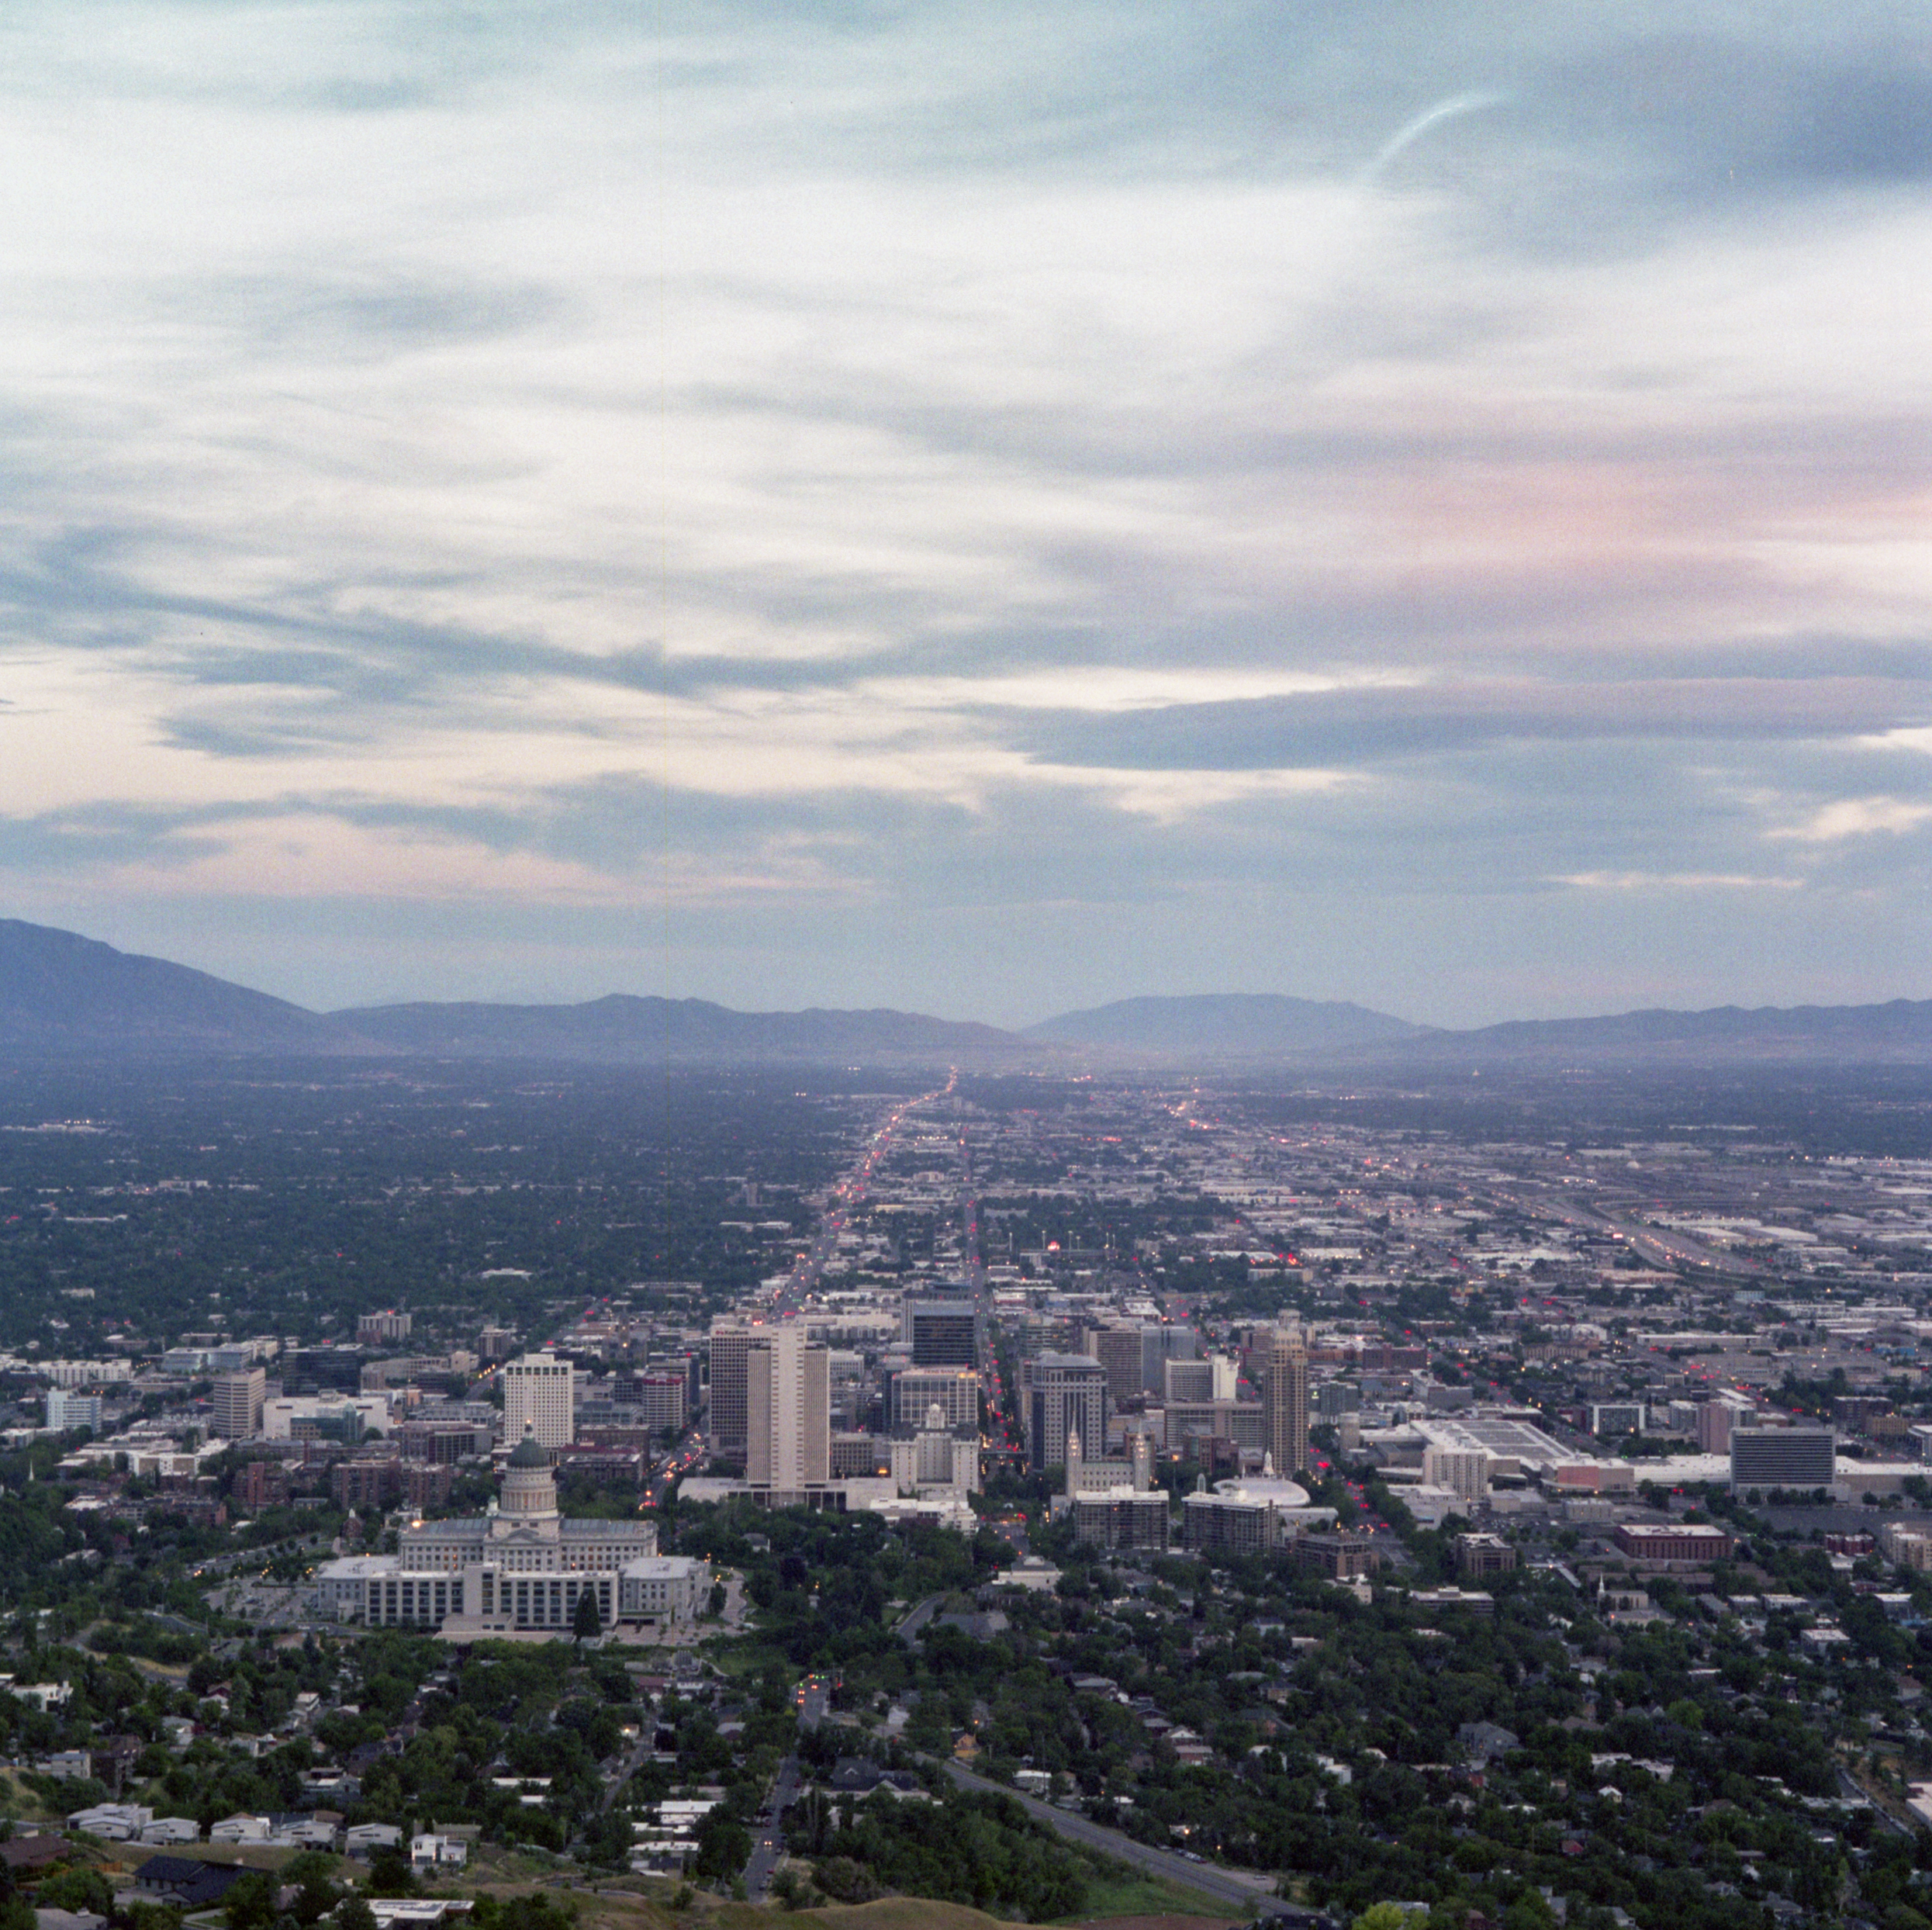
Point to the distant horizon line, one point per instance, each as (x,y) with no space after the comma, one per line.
(1020,1029)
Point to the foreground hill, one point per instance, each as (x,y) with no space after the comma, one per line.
(1227,1025)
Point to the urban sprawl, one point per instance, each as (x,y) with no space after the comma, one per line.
(1058,1497)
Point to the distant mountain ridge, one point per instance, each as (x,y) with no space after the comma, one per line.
(623,1029)
(1901,1030)
(62,994)
(1240,1025)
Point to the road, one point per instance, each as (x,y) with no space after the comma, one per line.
(921,1613)
(813,1700)
(1244,1891)
(1662,1246)
(1849,1785)
(681,1460)
(633,1760)
(768,1845)
(803,1276)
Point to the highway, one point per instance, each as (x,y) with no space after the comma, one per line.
(1245,1891)
(1661,1247)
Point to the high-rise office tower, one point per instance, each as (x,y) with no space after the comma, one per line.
(731,1340)
(1717,1417)
(1285,1401)
(1783,1457)
(1188,1380)
(1120,1351)
(238,1399)
(788,1411)
(955,1389)
(1334,1399)
(943,1333)
(1214,1378)
(1061,1394)
(539,1390)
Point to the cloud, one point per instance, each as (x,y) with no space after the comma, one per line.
(739,469)
(1678,881)
(1857,817)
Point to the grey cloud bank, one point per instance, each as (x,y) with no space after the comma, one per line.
(988,510)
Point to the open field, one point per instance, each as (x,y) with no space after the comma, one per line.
(1159,1909)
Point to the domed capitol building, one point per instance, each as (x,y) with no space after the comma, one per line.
(521,1569)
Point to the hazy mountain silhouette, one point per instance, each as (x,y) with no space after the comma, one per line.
(1225,1025)
(60,994)
(1900,1030)
(622,1028)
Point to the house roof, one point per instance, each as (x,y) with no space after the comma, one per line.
(195,1884)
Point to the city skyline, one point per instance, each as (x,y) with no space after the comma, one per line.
(946,511)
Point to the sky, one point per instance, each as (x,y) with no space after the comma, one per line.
(984,509)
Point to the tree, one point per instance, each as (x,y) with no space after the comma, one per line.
(251,1905)
(609,1838)
(1382,1916)
(588,1623)
(313,1875)
(77,1889)
(390,1875)
(724,1845)
(353,1913)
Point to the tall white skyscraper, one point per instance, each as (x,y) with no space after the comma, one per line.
(788,1411)
(539,1390)
(238,1403)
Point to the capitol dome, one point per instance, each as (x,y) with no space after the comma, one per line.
(529,1486)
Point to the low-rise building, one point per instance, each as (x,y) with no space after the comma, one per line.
(1122,1518)
(1674,1541)
(663,1588)
(1341,1556)
(1481,1555)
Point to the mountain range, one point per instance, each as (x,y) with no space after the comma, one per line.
(63,995)
(1235,1025)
